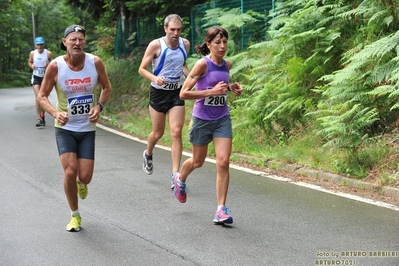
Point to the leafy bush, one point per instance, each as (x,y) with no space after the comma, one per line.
(15,78)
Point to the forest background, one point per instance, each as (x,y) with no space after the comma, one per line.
(320,89)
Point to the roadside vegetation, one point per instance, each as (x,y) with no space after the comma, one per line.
(320,91)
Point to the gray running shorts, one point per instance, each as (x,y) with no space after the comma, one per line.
(81,143)
(202,132)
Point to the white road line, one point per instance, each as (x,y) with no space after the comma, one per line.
(265,174)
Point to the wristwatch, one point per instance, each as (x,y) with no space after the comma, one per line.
(101,106)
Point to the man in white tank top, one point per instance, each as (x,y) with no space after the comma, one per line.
(38,61)
(76,77)
(168,56)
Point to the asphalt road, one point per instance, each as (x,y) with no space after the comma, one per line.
(130,218)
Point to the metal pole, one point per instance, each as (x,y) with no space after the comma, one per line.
(33,27)
(192,30)
(242,28)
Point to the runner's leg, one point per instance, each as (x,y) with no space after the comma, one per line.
(176,122)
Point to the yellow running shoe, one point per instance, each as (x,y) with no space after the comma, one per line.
(74,224)
(82,190)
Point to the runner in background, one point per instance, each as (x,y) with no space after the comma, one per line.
(38,61)
(168,58)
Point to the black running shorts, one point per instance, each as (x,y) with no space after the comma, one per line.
(164,100)
(35,80)
(81,143)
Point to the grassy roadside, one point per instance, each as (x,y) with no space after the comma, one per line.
(128,111)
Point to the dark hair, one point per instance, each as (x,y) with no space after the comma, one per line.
(210,34)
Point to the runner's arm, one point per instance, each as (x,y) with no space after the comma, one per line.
(30,61)
(153,49)
(186,71)
(105,93)
(104,82)
(50,56)
(49,81)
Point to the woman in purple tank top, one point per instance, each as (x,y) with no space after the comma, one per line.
(211,119)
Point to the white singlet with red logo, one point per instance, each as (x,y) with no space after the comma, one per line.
(76,94)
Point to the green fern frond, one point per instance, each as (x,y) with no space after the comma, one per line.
(266,45)
(349,128)
(379,48)
(377,16)
(383,72)
(381,91)
(388,20)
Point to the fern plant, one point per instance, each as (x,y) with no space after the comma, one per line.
(233,20)
(286,69)
(327,65)
(367,82)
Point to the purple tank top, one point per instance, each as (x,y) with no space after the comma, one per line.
(214,107)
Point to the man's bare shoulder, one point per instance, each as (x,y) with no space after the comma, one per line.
(98,62)
(52,67)
(154,44)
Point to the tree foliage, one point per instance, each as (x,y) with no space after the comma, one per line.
(222,17)
(21,21)
(51,17)
(106,13)
(133,8)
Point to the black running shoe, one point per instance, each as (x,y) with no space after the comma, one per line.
(39,123)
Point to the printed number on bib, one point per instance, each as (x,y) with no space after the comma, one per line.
(171,86)
(215,100)
(41,70)
(172,83)
(80,105)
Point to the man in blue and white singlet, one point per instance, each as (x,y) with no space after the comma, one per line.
(38,61)
(167,55)
(76,76)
